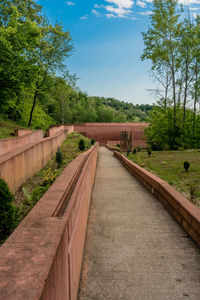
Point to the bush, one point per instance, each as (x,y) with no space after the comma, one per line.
(37,193)
(81,145)
(59,157)
(92,141)
(149,151)
(128,151)
(138,148)
(118,145)
(7,211)
(134,151)
(186,165)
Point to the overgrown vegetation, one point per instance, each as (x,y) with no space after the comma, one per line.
(172,45)
(13,210)
(168,165)
(7,211)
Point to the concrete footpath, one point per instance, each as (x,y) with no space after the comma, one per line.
(134,249)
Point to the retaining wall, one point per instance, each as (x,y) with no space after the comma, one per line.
(104,132)
(54,130)
(42,258)
(10,144)
(187,214)
(24,162)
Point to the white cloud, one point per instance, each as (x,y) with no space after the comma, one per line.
(96,13)
(84,17)
(69,3)
(120,12)
(97,6)
(141,4)
(122,3)
(189,2)
(118,8)
(145,13)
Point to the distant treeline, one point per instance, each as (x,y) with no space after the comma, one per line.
(36,88)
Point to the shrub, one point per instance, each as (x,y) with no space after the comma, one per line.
(134,151)
(37,193)
(138,148)
(59,157)
(118,145)
(7,211)
(92,141)
(186,165)
(81,145)
(128,151)
(149,151)
(49,178)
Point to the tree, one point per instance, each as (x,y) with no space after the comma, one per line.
(161,45)
(54,46)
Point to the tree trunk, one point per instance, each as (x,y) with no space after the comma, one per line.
(195,102)
(185,90)
(32,109)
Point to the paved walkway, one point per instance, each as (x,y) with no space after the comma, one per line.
(134,249)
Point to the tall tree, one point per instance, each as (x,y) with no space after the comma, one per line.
(54,46)
(161,44)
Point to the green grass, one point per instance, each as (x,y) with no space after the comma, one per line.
(7,128)
(168,165)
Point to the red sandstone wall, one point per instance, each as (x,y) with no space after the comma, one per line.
(20,132)
(69,129)
(54,130)
(104,132)
(10,144)
(24,162)
(42,258)
(187,214)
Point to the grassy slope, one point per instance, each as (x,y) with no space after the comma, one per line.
(7,128)
(168,165)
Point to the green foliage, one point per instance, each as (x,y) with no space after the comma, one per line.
(49,177)
(37,193)
(92,141)
(172,45)
(7,211)
(81,145)
(138,148)
(128,151)
(186,165)
(59,157)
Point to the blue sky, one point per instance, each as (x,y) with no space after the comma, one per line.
(108,44)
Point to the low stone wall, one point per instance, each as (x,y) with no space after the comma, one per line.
(43,256)
(20,132)
(69,129)
(187,214)
(24,162)
(10,144)
(54,130)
